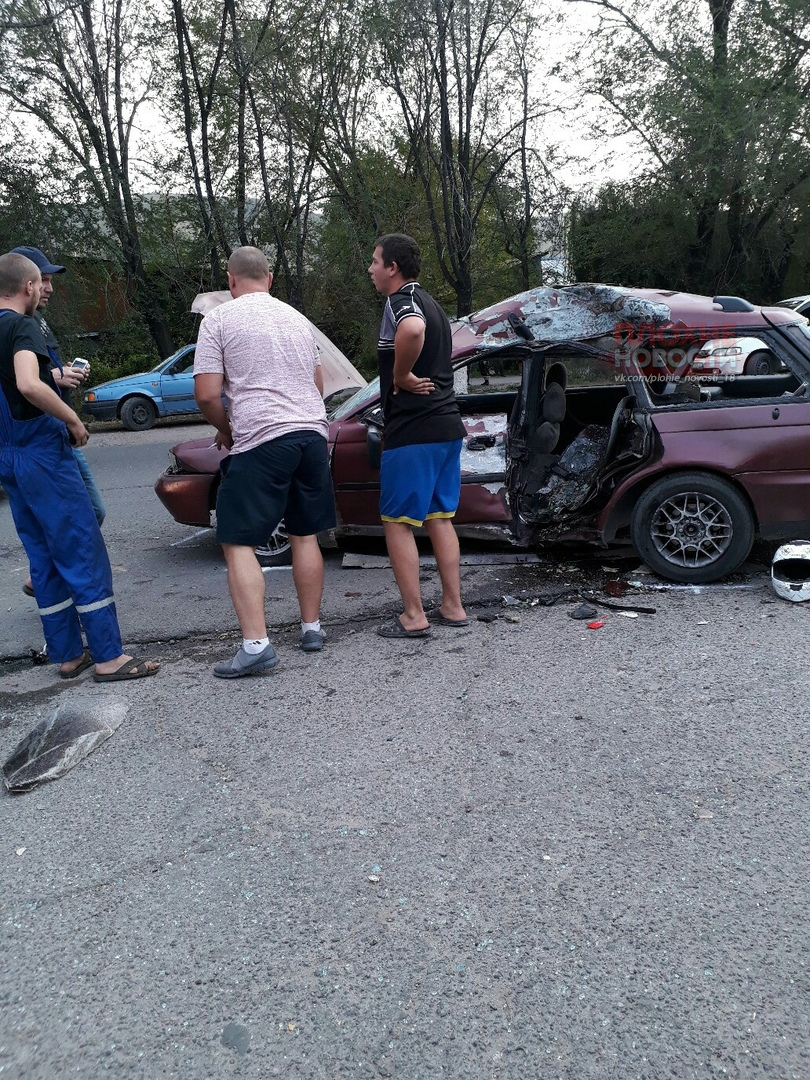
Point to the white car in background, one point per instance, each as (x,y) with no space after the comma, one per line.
(798,303)
(735,356)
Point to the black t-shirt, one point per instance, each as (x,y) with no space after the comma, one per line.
(50,339)
(19,333)
(418,418)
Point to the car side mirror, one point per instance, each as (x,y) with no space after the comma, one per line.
(374,447)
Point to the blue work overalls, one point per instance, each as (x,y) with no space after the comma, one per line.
(70,568)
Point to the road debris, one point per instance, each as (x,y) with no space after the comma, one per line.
(584,611)
(58,743)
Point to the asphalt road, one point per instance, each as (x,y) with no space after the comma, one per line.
(524,849)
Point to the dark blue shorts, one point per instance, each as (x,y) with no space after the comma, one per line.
(420,482)
(285,478)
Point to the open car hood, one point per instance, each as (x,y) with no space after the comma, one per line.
(338,371)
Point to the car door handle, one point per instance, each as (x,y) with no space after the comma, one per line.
(775,414)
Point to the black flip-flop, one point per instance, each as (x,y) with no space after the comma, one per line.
(442,620)
(132,669)
(27,589)
(85,662)
(395,629)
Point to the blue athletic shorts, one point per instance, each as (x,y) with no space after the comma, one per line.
(420,482)
(285,478)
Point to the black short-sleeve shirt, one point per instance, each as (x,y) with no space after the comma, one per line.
(418,418)
(19,333)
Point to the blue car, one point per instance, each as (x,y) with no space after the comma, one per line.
(138,400)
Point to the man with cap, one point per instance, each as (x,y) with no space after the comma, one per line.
(55,521)
(66,377)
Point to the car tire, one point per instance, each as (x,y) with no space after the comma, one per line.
(692,527)
(761,362)
(138,414)
(277,551)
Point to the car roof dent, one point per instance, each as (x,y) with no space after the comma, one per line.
(576,312)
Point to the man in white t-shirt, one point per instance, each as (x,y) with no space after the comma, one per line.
(262,353)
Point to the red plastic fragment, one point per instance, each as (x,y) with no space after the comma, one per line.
(616,587)
(597,624)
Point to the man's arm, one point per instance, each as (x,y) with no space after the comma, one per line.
(33,389)
(408,342)
(69,377)
(319,378)
(208,395)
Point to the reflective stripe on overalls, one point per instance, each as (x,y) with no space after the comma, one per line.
(70,568)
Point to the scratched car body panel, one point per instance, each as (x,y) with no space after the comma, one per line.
(636,448)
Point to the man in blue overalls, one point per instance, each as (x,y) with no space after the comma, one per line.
(65,378)
(55,521)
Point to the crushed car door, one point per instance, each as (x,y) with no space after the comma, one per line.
(571,426)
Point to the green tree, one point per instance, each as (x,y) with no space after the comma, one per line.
(455,70)
(715,96)
(83,71)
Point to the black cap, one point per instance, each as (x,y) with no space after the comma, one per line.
(36,256)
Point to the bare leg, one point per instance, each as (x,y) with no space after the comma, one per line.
(307,565)
(445,547)
(404,556)
(246,586)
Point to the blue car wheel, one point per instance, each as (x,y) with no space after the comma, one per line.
(138,414)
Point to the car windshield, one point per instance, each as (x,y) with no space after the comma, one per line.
(360,398)
(161,364)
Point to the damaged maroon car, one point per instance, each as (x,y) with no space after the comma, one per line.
(606,435)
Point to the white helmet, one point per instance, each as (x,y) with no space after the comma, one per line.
(790,571)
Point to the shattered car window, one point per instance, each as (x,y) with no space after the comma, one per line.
(366,393)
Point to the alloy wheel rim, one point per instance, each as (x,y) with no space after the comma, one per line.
(691,529)
(276,544)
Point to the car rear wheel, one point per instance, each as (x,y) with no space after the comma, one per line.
(761,363)
(138,414)
(278,550)
(692,527)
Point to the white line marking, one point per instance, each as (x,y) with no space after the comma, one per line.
(188,539)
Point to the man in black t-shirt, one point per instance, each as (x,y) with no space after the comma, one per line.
(420,477)
(55,521)
(65,378)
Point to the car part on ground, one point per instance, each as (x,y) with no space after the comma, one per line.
(60,741)
(790,571)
